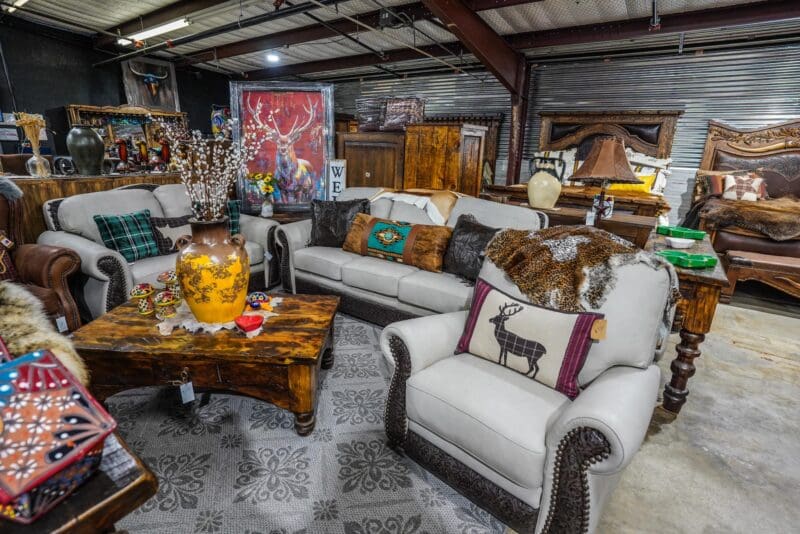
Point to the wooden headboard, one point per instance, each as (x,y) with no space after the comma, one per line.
(774,149)
(648,132)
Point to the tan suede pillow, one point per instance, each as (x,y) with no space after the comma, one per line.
(420,245)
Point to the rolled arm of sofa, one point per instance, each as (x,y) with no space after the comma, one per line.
(409,347)
(289,239)
(109,276)
(590,444)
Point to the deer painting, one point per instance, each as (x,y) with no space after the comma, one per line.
(514,344)
(150,80)
(294,176)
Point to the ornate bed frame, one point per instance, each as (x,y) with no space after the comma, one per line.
(648,132)
(775,151)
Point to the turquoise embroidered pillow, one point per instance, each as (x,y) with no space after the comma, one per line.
(131,234)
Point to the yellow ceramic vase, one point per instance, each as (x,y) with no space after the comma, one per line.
(213,270)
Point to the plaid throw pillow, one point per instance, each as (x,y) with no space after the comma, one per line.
(234,211)
(7,269)
(131,234)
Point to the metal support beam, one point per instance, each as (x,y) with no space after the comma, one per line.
(519,118)
(481,5)
(158,17)
(493,51)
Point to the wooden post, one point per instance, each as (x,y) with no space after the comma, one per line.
(519,118)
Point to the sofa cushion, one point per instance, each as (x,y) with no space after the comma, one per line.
(331,220)
(465,252)
(502,422)
(549,346)
(130,234)
(439,292)
(167,230)
(378,276)
(494,214)
(324,261)
(381,208)
(421,245)
(173,200)
(148,269)
(403,211)
(76,213)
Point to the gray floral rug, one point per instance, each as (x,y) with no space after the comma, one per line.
(232,464)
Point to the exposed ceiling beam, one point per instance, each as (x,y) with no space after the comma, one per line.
(313,32)
(504,62)
(768,11)
(162,15)
(481,5)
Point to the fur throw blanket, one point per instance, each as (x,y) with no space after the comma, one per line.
(571,268)
(776,218)
(25,328)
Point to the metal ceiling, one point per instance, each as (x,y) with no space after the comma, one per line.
(533,16)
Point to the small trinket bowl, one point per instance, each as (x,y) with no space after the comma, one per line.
(143,295)
(165,302)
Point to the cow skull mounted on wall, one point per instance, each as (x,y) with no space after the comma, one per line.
(150,80)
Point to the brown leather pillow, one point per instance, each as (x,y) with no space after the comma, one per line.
(7,270)
(420,245)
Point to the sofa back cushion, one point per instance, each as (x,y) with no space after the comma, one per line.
(403,211)
(634,310)
(76,213)
(173,199)
(495,214)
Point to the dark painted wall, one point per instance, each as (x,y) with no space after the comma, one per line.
(51,68)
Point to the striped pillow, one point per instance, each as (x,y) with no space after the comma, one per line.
(549,346)
(131,234)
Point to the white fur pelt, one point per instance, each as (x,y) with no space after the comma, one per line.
(25,328)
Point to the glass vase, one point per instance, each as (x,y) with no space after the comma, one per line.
(38,166)
(266,209)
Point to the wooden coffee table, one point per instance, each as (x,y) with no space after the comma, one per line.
(124,350)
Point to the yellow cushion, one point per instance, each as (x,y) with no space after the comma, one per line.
(645,187)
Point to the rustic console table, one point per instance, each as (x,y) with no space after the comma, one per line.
(37,191)
(700,290)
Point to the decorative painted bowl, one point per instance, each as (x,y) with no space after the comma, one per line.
(680,242)
(259,298)
(168,278)
(140,291)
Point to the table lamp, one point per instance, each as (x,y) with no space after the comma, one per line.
(606,164)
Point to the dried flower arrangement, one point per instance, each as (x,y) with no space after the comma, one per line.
(209,167)
(32,125)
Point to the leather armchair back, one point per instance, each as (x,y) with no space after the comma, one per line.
(9,219)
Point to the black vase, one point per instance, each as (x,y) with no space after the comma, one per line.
(87,150)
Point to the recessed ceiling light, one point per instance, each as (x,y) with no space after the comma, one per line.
(273,58)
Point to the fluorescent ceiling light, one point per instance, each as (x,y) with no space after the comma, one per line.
(152,32)
(18,3)
(273,58)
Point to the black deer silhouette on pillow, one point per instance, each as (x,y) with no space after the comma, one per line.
(514,344)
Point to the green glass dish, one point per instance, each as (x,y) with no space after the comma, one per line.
(688,261)
(680,231)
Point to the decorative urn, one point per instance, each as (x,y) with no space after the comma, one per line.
(87,149)
(543,190)
(213,270)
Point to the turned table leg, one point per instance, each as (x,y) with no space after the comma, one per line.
(683,368)
(304,423)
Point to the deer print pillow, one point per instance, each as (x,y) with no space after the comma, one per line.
(546,345)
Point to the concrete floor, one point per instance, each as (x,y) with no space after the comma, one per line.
(730,462)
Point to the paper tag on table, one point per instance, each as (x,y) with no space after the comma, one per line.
(187,392)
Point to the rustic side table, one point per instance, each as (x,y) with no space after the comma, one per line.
(700,291)
(121,485)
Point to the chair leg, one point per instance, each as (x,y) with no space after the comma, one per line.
(727,292)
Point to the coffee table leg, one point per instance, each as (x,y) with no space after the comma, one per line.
(304,423)
(327,352)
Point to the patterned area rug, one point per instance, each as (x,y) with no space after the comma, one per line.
(232,464)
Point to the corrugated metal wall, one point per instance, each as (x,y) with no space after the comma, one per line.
(744,87)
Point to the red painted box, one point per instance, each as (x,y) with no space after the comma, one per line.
(51,435)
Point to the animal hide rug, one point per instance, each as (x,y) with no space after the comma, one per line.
(25,328)
(571,268)
(776,218)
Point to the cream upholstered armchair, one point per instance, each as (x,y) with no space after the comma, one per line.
(528,454)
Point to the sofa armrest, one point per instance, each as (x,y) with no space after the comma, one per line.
(289,239)
(589,445)
(410,346)
(108,272)
(257,230)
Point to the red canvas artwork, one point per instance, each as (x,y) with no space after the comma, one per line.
(294,150)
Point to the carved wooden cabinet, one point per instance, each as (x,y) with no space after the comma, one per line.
(374,159)
(445,157)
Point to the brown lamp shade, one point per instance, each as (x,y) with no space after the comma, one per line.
(606,162)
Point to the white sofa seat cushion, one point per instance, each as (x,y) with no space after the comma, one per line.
(376,275)
(502,422)
(324,261)
(148,269)
(440,292)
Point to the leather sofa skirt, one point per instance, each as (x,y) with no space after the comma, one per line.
(726,240)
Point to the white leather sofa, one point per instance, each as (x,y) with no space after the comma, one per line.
(107,276)
(525,452)
(377,290)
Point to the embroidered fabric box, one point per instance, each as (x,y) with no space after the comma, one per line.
(51,435)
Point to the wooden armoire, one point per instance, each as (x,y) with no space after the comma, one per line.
(445,156)
(374,159)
